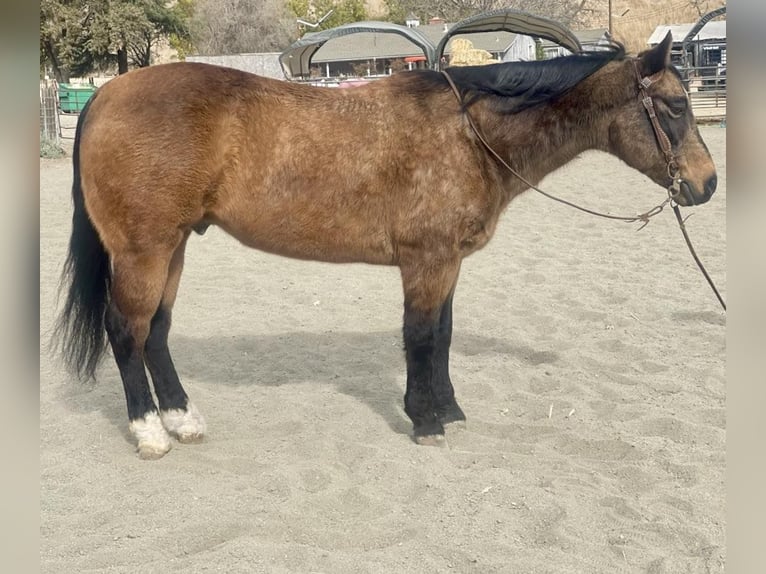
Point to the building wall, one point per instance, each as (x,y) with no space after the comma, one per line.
(263,64)
(522,49)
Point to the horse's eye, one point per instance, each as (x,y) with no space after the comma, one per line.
(677,108)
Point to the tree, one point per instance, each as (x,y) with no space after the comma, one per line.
(568,12)
(125,31)
(181,41)
(63,26)
(343,12)
(237,26)
(81,36)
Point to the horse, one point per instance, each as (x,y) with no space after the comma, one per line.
(390,173)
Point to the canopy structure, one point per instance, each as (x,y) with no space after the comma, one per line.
(694,32)
(510,20)
(296,59)
(701,24)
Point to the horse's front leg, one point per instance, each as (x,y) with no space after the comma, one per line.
(447,409)
(430,398)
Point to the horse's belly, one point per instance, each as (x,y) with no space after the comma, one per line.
(312,240)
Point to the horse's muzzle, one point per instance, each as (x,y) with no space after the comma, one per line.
(710,185)
(689,195)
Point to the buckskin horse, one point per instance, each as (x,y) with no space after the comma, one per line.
(390,173)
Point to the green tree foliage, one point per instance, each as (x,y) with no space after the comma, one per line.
(181,40)
(78,37)
(63,25)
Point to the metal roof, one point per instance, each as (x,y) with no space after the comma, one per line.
(490,30)
(369,45)
(711,31)
(516,21)
(297,59)
(585,37)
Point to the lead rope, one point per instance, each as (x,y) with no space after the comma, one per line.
(673,171)
(673,189)
(674,205)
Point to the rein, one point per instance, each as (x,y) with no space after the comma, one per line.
(644,217)
(674,189)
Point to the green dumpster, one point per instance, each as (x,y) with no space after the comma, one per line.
(73,97)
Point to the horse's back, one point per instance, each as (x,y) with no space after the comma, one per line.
(167,107)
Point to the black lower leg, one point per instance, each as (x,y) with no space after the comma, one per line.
(430,398)
(447,409)
(419,339)
(129,358)
(167,386)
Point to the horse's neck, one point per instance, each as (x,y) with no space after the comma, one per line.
(540,140)
(546,137)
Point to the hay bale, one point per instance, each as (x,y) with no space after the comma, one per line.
(464,54)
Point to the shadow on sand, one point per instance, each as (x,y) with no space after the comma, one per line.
(368,366)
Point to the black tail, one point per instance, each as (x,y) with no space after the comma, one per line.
(79,332)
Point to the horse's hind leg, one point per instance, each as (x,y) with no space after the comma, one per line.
(138,281)
(429,400)
(179,415)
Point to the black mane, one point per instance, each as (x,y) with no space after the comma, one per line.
(520,85)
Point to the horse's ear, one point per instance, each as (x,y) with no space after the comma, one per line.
(658,58)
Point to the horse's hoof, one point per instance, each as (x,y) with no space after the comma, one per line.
(458,424)
(452,415)
(186,425)
(152,452)
(190,438)
(431,440)
(429,433)
(153,440)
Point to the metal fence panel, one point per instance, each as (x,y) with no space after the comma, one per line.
(50,126)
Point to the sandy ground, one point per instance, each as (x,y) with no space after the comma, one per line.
(589,359)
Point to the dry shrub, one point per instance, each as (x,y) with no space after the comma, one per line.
(49,149)
(634,28)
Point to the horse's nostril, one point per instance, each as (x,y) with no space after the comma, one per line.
(710,184)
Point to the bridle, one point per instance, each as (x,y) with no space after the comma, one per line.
(674,189)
